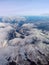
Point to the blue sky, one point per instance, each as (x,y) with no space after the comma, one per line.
(23,7)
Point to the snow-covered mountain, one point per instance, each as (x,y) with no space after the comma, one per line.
(22,42)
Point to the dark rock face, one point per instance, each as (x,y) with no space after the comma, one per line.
(28,61)
(12,63)
(11,35)
(22,36)
(33,63)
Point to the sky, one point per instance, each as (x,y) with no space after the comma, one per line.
(23,7)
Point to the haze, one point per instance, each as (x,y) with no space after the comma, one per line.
(23,7)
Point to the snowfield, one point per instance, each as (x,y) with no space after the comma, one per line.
(23,45)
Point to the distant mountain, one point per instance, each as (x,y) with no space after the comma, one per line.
(46,14)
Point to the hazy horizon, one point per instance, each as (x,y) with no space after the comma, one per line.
(23,7)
